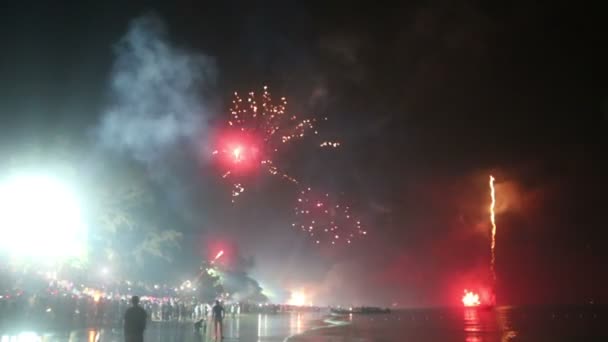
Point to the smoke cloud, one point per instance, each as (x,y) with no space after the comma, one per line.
(156,91)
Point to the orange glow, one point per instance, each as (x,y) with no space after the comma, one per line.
(492,219)
(298,298)
(470,298)
(93,336)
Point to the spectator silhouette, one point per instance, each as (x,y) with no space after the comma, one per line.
(218,317)
(135,322)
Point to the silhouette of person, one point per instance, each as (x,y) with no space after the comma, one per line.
(135,322)
(218,316)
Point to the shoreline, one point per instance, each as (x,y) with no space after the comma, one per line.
(327,323)
(245,327)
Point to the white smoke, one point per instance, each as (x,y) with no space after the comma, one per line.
(157,93)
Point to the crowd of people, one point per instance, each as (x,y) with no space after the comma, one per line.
(57,309)
(60,309)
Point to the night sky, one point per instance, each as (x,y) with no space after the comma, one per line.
(427,99)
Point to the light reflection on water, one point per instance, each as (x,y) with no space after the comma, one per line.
(261,328)
(472,325)
(503,324)
(482,324)
(22,337)
(93,336)
(295,324)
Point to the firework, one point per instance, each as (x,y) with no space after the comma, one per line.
(258,129)
(325,219)
(219,255)
(237,190)
(493,221)
(256,135)
(470,298)
(297,298)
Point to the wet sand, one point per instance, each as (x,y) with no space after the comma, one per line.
(457,324)
(255,328)
(469,325)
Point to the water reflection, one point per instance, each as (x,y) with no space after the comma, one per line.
(295,323)
(232,327)
(23,337)
(489,325)
(505,325)
(261,328)
(472,325)
(93,336)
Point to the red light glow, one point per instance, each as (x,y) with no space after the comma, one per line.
(470,299)
(238,151)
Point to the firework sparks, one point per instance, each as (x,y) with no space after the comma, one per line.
(326,220)
(470,298)
(258,129)
(493,221)
(330,144)
(237,190)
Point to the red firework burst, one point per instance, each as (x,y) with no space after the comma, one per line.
(257,130)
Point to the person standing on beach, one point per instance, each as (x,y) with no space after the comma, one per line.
(135,322)
(218,317)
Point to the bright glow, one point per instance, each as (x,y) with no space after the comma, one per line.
(236,153)
(470,298)
(40,219)
(23,337)
(298,298)
(219,255)
(93,293)
(492,219)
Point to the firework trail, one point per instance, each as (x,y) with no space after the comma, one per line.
(325,219)
(257,130)
(492,219)
(217,256)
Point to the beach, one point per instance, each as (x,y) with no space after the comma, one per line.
(246,327)
(586,323)
(468,325)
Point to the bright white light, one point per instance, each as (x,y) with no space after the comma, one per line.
(105,271)
(23,337)
(298,298)
(40,219)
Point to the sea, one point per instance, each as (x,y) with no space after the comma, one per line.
(543,323)
(556,323)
